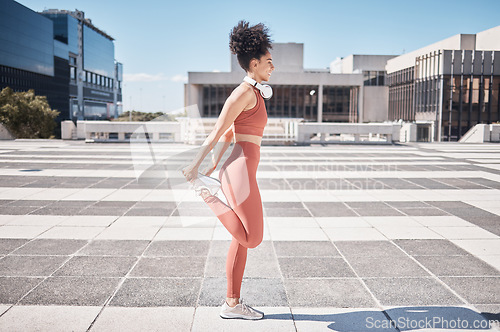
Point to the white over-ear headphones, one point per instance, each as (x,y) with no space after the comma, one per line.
(265,90)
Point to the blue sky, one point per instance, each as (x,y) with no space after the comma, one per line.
(159,42)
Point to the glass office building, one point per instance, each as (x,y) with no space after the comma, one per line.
(94,86)
(44,52)
(30,58)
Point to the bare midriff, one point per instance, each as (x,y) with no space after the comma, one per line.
(249,138)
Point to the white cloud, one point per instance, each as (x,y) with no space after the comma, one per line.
(179,78)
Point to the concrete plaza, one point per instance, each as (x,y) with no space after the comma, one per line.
(357,238)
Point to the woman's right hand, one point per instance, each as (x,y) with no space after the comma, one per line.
(190,172)
(208,170)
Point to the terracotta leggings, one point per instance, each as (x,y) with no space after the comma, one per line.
(243,217)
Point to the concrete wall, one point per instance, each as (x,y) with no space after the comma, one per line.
(457,42)
(375,103)
(356,63)
(287,57)
(488,39)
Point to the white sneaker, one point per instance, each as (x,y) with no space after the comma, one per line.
(206,182)
(240,310)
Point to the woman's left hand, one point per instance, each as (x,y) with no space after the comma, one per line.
(190,172)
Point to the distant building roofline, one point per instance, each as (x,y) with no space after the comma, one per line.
(79,15)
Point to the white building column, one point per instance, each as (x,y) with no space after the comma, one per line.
(360,103)
(320,103)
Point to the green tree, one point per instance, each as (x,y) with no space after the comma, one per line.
(27,115)
(144,116)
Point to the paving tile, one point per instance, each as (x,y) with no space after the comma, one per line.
(410,232)
(354,234)
(327,293)
(184,233)
(114,248)
(430,247)
(299,267)
(286,212)
(397,266)
(76,291)
(275,319)
(51,247)
(441,221)
(423,211)
(96,211)
(148,212)
(407,204)
(17,210)
(473,232)
(393,221)
(97,266)
(9,245)
(290,222)
(457,266)
(330,209)
(157,292)
(220,248)
(89,221)
(30,265)
(410,291)
(48,318)
(297,234)
(333,222)
(287,205)
(378,212)
(340,319)
(368,249)
(429,184)
(178,248)
(305,248)
(254,291)
(144,319)
(22,232)
(480,290)
(480,247)
(367,205)
(12,289)
(169,267)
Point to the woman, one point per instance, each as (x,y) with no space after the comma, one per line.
(245,113)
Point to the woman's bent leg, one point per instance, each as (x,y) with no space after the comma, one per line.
(243,218)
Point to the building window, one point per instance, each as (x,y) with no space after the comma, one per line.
(374,78)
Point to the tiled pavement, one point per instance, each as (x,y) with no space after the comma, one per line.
(355,236)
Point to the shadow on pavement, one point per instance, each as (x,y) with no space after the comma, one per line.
(402,319)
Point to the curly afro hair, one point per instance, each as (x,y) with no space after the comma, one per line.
(249,42)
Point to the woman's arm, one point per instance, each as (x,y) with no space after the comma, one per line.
(218,150)
(234,105)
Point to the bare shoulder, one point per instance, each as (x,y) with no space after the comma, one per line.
(244,94)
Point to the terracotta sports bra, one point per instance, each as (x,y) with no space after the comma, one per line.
(254,120)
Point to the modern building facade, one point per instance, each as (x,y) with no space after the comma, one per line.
(451,85)
(316,95)
(62,56)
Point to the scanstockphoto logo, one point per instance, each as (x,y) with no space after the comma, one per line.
(436,322)
(157,162)
(333,172)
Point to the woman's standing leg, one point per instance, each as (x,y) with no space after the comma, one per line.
(244,217)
